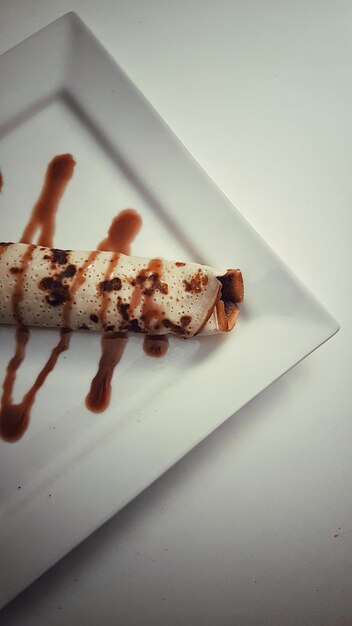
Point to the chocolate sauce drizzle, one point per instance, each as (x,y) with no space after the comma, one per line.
(108,285)
(18,290)
(14,418)
(149,280)
(77,283)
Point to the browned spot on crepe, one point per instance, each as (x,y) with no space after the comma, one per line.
(111,285)
(59,257)
(196,283)
(58,293)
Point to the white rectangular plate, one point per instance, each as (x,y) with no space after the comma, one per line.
(61,92)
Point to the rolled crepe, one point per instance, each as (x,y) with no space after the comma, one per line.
(113,292)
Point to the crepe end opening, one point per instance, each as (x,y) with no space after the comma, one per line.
(232,291)
(232,288)
(227,314)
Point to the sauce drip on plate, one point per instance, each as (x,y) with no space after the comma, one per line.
(123,230)
(112,348)
(59,172)
(156,345)
(14,418)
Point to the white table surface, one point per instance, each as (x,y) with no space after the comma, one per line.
(254,526)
